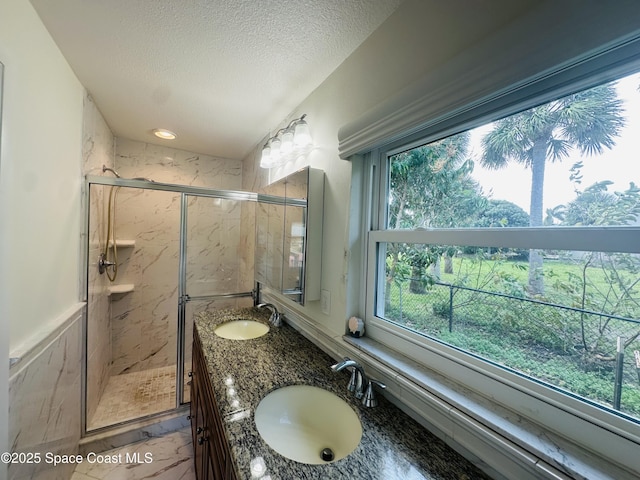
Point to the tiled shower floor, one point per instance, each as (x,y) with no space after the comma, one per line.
(137,394)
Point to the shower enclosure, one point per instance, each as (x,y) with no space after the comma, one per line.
(173,250)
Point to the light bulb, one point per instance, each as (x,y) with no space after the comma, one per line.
(265,159)
(164,134)
(275,145)
(287,141)
(302,135)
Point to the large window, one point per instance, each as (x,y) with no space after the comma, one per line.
(515,245)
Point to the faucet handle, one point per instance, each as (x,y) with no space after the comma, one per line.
(356,382)
(276,319)
(369,400)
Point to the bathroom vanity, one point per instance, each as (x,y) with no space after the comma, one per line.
(230,379)
(210,447)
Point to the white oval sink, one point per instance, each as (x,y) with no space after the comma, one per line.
(241,329)
(300,421)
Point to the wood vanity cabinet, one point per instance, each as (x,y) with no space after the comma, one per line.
(211,450)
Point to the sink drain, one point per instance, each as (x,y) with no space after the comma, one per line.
(327,454)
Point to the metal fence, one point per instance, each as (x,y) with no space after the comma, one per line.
(591,354)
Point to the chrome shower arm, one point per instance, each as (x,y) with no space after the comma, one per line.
(107,169)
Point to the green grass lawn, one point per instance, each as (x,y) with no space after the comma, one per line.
(541,341)
(554,272)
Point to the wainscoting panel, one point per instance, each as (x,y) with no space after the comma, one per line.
(45,402)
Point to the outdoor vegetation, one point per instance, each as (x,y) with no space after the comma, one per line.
(570,319)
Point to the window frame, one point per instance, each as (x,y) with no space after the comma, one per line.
(589,425)
(562,238)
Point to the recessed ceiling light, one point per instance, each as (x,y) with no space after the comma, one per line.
(164,134)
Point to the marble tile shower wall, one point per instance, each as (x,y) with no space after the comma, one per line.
(98,307)
(219,241)
(98,149)
(213,241)
(143,322)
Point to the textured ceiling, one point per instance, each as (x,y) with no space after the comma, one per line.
(219,73)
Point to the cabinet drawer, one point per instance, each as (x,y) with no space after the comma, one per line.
(211,449)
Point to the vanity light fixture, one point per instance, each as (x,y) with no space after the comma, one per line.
(288,143)
(164,134)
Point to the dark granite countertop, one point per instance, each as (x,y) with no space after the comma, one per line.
(393,446)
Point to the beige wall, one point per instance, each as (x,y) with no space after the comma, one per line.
(40,176)
(40,186)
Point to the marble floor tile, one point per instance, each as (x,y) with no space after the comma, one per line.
(164,458)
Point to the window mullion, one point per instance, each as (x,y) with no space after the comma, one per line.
(590,239)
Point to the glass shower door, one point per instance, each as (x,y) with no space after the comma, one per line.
(216,269)
(131,321)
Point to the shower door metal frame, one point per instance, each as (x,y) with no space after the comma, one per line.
(183,297)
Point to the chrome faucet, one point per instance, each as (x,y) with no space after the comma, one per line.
(276,317)
(358,379)
(359,384)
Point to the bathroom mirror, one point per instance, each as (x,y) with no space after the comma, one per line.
(289,235)
(269,236)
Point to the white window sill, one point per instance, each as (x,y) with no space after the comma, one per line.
(478,425)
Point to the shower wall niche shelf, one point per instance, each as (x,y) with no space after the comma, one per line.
(123,288)
(123,243)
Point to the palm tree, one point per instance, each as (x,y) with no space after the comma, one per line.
(588,120)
